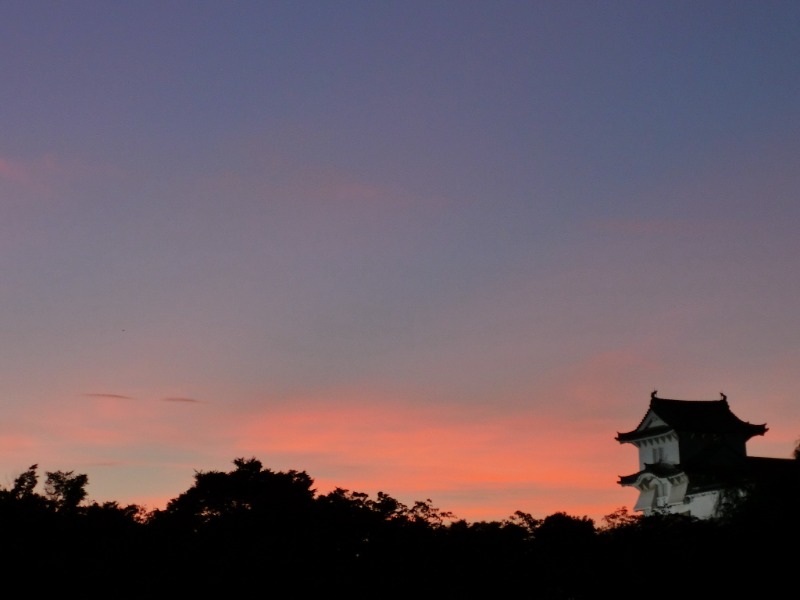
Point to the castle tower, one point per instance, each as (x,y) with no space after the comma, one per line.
(691,454)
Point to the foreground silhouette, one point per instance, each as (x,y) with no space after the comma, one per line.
(252,530)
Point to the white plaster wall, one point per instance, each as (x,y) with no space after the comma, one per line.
(645,501)
(672,452)
(677,493)
(701,506)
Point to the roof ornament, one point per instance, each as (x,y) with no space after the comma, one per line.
(724,397)
(653,394)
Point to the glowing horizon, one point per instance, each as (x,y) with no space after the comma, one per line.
(432,250)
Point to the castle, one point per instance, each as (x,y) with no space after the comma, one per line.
(693,457)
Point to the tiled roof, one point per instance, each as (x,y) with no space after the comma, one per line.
(660,470)
(695,416)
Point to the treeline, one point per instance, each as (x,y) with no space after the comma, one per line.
(256,531)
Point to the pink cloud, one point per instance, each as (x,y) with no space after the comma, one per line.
(660,227)
(13,444)
(14,171)
(48,173)
(299,189)
(109,421)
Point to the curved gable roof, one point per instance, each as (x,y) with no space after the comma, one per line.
(658,470)
(693,416)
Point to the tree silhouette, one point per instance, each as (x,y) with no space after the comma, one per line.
(621,518)
(25,483)
(248,492)
(249,528)
(65,490)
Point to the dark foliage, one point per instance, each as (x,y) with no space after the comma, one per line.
(256,531)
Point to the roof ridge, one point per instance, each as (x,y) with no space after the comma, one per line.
(654,397)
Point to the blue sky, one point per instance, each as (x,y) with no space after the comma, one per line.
(435,249)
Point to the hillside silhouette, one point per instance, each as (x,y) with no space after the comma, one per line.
(252,530)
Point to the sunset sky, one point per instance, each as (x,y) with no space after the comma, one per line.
(439,249)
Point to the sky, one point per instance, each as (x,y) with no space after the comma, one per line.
(442,249)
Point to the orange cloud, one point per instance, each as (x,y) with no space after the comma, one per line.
(423,451)
(471,461)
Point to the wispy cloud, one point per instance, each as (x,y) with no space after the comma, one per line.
(178,399)
(110,396)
